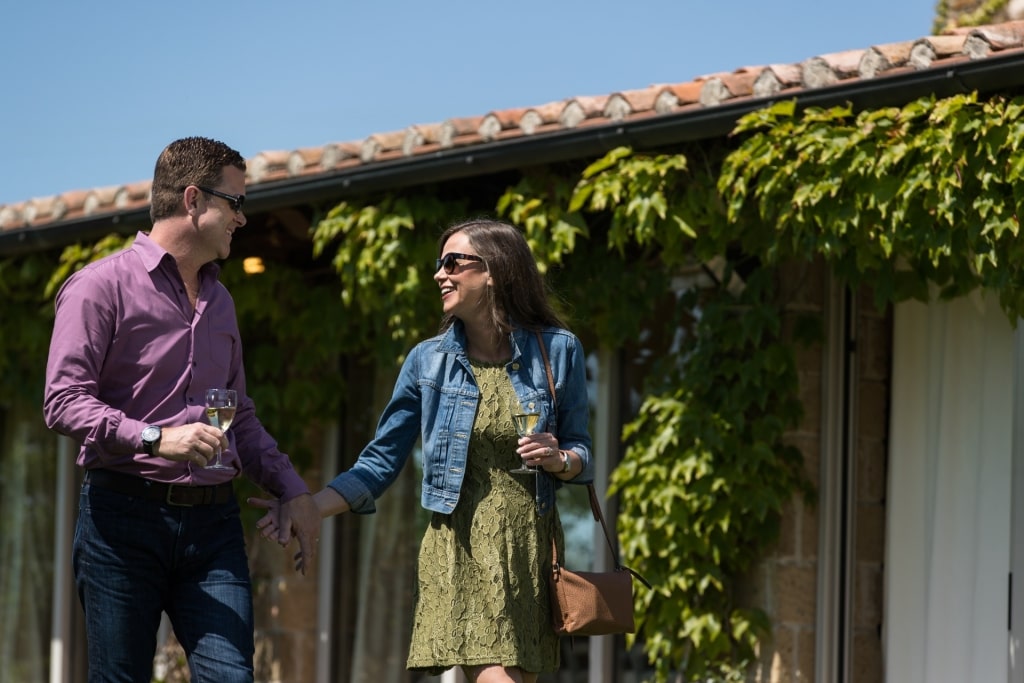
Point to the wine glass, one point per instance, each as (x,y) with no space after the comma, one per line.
(220,410)
(525,423)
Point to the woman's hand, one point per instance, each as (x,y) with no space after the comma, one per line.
(540,450)
(298,518)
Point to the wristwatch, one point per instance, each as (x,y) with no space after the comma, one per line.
(566,465)
(150,436)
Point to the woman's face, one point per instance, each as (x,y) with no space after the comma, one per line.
(463,291)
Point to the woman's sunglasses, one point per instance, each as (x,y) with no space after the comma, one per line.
(448,261)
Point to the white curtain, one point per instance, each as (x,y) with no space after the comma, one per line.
(947,542)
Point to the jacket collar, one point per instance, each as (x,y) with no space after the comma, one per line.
(454,340)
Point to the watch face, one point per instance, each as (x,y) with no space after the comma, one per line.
(150,434)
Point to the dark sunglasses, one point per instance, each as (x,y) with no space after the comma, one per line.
(448,261)
(235,200)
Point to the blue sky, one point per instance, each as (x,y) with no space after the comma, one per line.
(90,92)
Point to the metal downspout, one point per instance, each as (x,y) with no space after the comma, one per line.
(833,634)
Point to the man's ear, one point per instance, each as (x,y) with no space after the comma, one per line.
(190,198)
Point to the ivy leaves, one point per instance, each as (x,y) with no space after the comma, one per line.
(705,477)
(902,196)
(27,316)
(383,251)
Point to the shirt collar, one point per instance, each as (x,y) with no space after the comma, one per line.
(152,255)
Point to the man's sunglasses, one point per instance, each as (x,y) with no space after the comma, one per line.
(448,261)
(235,200)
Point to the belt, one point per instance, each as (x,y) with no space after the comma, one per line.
(172,494)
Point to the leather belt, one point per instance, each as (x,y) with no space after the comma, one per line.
(172,494)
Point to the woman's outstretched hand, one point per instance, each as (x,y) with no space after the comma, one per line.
(298,518)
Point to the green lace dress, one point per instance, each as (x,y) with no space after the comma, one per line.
(482,591)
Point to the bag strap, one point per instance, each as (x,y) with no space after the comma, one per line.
(595,504)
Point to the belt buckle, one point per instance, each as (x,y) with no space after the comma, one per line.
(170,496)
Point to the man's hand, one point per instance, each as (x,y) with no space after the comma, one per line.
(196,442)
(299,517)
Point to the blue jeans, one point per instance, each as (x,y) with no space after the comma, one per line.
(135,558)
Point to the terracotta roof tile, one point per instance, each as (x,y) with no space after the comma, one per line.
(12,216)
(302,160)
(636,100)
(452,130)
(710,90)
(845,64)
(881,58)
(946,45)
(727,86)
(336,153)
(774,79)
(999,36)
(267,166)
(684,93)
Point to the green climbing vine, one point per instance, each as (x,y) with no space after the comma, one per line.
(27,315)
(902,198)
(705,477)
(899,197)
(986,12)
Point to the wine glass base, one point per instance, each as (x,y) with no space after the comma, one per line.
(216,467)
(524,470)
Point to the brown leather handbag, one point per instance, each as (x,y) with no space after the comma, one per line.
(590,603)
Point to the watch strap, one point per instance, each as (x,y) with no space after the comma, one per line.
(149,443)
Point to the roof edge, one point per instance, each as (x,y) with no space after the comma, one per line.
(994,73)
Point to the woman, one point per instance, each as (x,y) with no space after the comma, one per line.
(482,600)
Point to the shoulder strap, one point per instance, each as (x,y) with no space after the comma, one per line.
(547,368)
(595,504)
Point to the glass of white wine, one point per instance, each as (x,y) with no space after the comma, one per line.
(220,410)
(525,423)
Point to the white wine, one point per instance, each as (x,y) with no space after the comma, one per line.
(221,417)
(525,423)
(225,414)
(220,411)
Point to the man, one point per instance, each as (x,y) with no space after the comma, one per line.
(138,339)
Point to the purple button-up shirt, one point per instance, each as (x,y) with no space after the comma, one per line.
(128,351)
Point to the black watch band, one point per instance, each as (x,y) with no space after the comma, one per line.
(150,437)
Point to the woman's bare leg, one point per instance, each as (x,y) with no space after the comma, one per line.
(495,673)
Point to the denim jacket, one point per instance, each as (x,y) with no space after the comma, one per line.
(435,399)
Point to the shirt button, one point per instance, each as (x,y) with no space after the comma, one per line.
(515,366)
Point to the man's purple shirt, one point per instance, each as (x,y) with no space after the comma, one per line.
(127,352)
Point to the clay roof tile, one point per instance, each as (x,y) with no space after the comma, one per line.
(754,81)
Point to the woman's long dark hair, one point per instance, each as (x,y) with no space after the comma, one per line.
(519,296)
